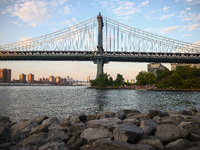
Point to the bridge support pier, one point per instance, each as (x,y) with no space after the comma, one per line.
(100,65)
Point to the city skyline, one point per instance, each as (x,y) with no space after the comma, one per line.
(23,19)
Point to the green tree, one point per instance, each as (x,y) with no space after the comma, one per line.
(175,80)
(119,80)
(187,72)
(145,78)
(101,81)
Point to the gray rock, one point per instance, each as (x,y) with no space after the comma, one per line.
(148,126)
(104,123)
(128,133)
(152,141)
(6,146)
(35,139)
(193,109)
(91,117)
(76,142)
(115,145)
(38,120)
(179,145)
(184,112)
(152,113)
(27,130)
(194,148)
(18,136)
(156,119)
(76,128)
(65,123)
(58,134)
(171,120)
(194,137)
(130,112)
(135,121)
(81,117)
(5,134)
(120,114)
(105,114)
(20,125)
(192,127)
(40,128)
(95,133)
(50,121)
(5,120)
(169,132)
(54,146)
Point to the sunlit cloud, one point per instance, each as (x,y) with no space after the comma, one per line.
(166,16)
(192,27)
(186,35)
(24,38)
(169,30)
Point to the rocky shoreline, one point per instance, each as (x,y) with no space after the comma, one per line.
(122,130)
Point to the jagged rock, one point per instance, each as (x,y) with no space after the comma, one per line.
(179,145)
(54,146)
(104,123)
(91,117)
(95,133)
(184,112)
(5,120)
(171,120)
(193,109)
(128,133)
(130,112)
(38,120)
(34,140)
(66,123)
(156,119)
(81,117)
(194,148)
(192,127)
(120,114)
(18,136)
(76,128)
(40,128)
(194,137)
(6,146)
(76,142)
(115,145)
(52,134)
(152,141)
(5,134)
(27,130)
(105,114)
(152,113)
(169,132)
(148,126)
(50,121)
(135,121)
(20,125)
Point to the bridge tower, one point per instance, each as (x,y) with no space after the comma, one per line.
(100,60)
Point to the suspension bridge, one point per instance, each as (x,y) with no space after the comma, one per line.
(101,41)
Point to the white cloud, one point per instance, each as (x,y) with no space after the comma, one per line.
(166,16)
(144,3)
(188,9)
(185,35)
(24,38)
(67,22)
(165,8)
(192,27)
(32,12)
(169,30)
(190,16)
(15,22)
(66,10)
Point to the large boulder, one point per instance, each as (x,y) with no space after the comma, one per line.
(152,141)
(115,145)
(179,145)
(152,113)
(38,120)
(5,120)
(5,134)
(54,145)
(128,133)
(131,113)
(52,134)
(81,117)
(171,120)
(76,128)
(76,142)
(135,121)
(120,114)
(105,114)
(96,133)
(27,130)
(104,123)
(148,126)
(192,127)
(169,132)
(20,125)
(50,121)
(35,139)
(39,128)
(18,136)
(6,146)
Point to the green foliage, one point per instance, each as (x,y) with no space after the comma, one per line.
(161,74)
(175,80)
(104,80)
(145,78)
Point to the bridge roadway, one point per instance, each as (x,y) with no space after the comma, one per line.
(106,56)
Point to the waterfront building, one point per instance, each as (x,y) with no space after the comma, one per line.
(58,79)
(88,78)
(22,78)
(173,66)
(51,79)
(30,78)
(5,75)
(153,67)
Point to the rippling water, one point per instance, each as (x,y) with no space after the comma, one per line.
(19,102)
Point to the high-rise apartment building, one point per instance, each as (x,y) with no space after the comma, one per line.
(22,78)
(51,79)
(88,78)
(5,75)
(58,79)
(30,78)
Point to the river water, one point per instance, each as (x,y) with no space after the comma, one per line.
(27,102)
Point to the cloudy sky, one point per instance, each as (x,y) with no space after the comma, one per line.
(25,19)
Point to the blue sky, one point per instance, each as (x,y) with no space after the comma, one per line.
(24,19)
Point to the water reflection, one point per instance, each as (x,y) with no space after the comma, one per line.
(100,99)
